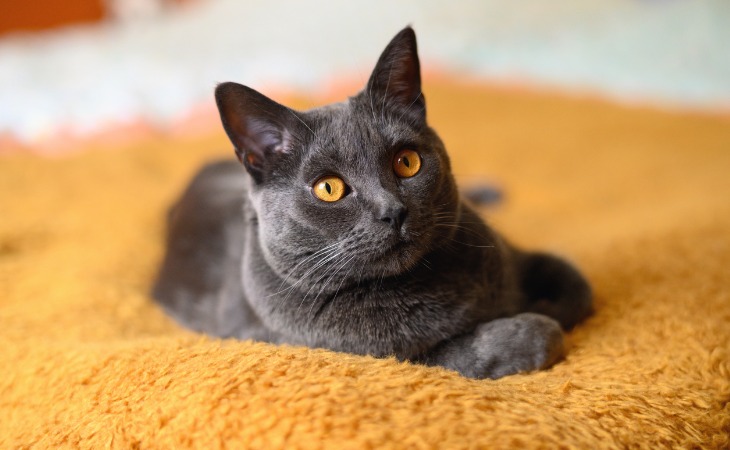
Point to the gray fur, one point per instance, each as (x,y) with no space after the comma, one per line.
(399,266)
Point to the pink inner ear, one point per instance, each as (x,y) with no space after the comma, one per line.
(237,124)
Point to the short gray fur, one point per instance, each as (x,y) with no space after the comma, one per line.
(399,266)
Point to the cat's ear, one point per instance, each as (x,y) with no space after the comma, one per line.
(259,128)
(396,79)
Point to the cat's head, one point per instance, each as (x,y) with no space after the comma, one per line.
(349,190)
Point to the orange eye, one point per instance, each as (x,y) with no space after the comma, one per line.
(329,188)
(406,163)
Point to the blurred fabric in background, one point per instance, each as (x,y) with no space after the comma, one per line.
(79,66)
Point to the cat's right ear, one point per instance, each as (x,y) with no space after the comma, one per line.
(259,128)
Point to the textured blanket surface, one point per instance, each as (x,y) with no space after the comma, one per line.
(639,199)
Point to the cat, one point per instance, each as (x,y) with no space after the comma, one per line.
(342,228)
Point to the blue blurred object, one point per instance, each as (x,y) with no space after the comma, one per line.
(484,195)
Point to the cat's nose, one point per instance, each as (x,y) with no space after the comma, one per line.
(394,216)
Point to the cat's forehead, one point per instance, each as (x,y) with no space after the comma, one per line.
(352,128)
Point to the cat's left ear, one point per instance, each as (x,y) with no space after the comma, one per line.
(396,80)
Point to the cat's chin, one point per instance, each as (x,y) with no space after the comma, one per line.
(397,259)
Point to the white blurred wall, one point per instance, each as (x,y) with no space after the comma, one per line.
(160,65)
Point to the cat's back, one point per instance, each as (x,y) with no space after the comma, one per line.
(204,239)
(212,203)
(216,184)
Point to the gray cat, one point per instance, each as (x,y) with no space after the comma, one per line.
(348,233)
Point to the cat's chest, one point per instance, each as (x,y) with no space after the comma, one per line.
(398,315)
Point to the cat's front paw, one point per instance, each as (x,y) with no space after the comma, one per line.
(516,344)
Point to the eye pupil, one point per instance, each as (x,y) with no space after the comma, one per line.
(406,162)
(328,187)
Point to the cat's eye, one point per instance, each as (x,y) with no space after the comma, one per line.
(329,188)
(406,163)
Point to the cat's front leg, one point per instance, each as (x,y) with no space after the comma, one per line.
(502,347)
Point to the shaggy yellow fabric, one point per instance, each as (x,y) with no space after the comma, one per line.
(639,199)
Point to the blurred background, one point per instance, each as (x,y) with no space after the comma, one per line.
(76,67)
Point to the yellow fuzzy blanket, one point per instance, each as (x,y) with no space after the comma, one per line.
(638,198)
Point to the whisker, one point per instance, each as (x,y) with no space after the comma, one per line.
(385,95)
(316,283)
(303,123)
(370,97)
(410,106)
(468,244)
(319,264)
(326,283)
(321,252)
(426,263)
